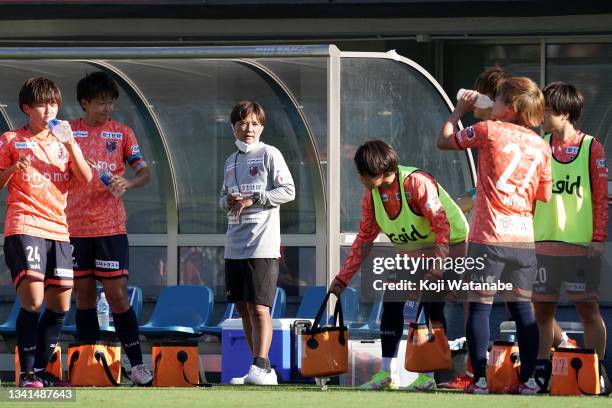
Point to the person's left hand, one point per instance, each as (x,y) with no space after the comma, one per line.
(596,249)
(240,204)
(119,185)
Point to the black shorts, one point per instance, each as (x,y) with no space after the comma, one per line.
(41,259)
(502,264)
(579,274)
(251,280)
(101,257)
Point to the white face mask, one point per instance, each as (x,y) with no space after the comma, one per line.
(245,148)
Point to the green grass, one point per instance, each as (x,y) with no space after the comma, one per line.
(288,396)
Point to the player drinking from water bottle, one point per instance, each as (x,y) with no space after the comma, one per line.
(513,172)
(37,169)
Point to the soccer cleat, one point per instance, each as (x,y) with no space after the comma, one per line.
(30,380)
(422,383)
(260,376)
(480,387)
(141,375)
(50,380)
(382,380)
(238,380)
(458,383)
(528,388)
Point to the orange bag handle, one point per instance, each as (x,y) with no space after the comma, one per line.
(338,315)
(424,310)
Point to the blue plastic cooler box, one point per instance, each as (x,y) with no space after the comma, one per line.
(236,356)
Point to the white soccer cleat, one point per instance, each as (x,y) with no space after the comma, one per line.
(260,376)
(141,375)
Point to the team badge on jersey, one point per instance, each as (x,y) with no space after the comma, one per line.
(253,170)
(61,154)
(111,147)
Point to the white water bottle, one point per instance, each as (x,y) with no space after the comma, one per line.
(565,343)
(59,131)
(483,101)
(103,311)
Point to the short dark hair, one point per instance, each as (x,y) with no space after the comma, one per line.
(96,84)
(244,109)
(376,158)
(563,99)
(39,90)
(487,82)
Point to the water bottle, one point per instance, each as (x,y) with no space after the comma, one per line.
(565,341)
(59,131)
(105,176)
(103,311)
(483,101)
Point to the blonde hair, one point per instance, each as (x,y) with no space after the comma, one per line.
(525,98)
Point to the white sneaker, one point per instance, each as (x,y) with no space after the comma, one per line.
(238,380)
(141,375)
(260,376)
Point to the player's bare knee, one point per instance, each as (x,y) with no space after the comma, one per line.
(588,312)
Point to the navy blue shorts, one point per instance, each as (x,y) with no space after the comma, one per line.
(41,259)
(101,257)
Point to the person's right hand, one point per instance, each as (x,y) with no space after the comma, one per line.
(466,102)
(337,286)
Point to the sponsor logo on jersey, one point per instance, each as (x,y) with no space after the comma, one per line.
(80,133)
(112,135)
(407,194)
(253,170)
(249,188)
(251,162)
(111,147)
(398,196)
(135,149)
(107,264)
(602,163)
(566,186)
(572,150)
(25,145)
(385,197)
(406,237)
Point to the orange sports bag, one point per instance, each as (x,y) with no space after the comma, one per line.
(96,364)
(325,349)
(575,372)
(176,364)
(503,366)
(427,347)
(54,366)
